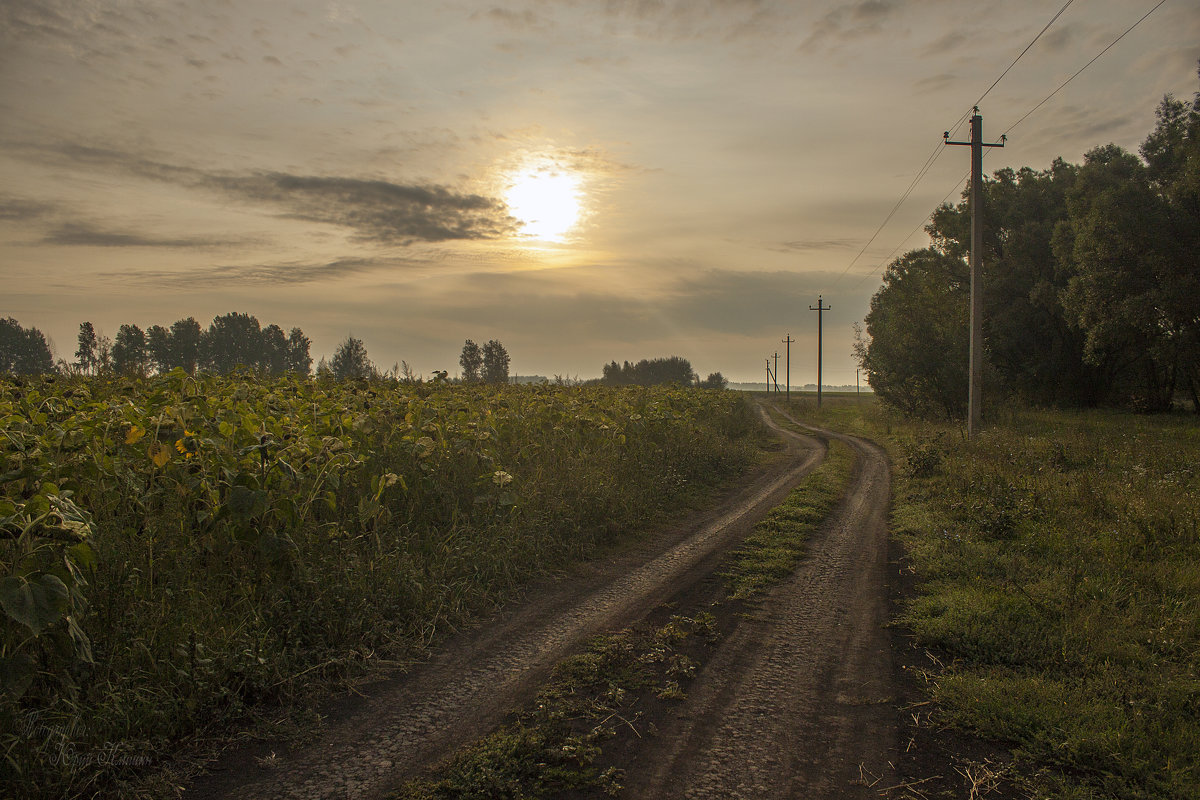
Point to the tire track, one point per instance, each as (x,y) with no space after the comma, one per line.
(402,725)
(797,701)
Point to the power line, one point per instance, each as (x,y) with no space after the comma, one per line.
(933,156)
(1026,50)
(1085,66)
(1025,116)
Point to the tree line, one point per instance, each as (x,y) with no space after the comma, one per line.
(659,371)
(1091,277)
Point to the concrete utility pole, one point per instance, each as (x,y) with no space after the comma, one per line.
(775,372)
(820,309)
(974,398)
(788,383)
(768,376)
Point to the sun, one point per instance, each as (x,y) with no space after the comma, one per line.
(546,200)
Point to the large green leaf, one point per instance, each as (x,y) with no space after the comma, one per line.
(36,602)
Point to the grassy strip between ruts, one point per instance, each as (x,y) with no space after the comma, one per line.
(608,691)
(1057,559)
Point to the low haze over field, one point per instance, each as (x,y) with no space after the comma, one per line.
(584,180)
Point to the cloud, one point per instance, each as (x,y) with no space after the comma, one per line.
(225,276)
(19,209)
(82,234)
(849,22)
(373,210)
(810,245)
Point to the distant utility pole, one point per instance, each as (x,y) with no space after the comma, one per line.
(974,401)
(820,309)
(775,372)
(788,383)
(768,376)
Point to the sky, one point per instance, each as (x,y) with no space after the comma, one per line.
(582,180)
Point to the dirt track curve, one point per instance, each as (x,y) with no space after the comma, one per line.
(792,703)
(799,699)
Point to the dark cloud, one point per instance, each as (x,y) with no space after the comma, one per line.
(373,210)
(237,276)
(810,245)
(82,234)
(19,209)
(935,83)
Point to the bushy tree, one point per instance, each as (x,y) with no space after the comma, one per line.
(715,380)
(350,360)
(158,343)
(916,350)
(274,350)
(471,361)
(185,344)
(299,360)
(23,351)
(495,362)
(130,355)
(231,341)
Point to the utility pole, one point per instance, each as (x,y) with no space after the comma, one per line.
(768,376)
(775,372)
(820,309)
(857,387)
(974,399)
(788,383)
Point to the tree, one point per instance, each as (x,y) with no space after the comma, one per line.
(231,341)
(23,351)
(1119,240)
(350,360)
(130,354)
(471,361)
(185,344)
(495,362)
(104,348)
(916,353)
(299,360)
(85,356)
(715,380)
(274,350)
(159,346)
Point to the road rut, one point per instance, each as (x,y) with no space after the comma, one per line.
(799,699)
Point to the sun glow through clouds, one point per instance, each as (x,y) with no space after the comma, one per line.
(546,200)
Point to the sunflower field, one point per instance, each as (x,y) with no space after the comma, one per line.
(179,552)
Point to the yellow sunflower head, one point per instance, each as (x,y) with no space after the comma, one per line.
(189,445)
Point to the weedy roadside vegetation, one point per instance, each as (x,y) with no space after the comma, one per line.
(1058,567)
(178,553)
(554,747)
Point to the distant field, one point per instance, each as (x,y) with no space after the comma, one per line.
(1058,564)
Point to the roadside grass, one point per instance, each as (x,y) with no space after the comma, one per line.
(1058,568)
(604,694)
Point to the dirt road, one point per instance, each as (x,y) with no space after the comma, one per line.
(799,699)
(373,742)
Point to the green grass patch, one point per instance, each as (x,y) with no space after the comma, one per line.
(1058,565)
(772,551)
